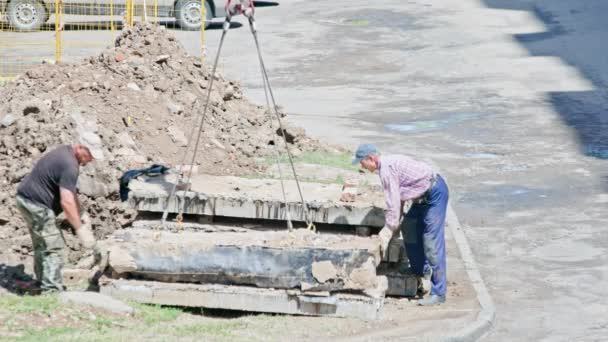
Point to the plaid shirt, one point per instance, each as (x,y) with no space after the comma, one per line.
(403,179)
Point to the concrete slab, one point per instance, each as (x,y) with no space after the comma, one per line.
(257,199)
(243,298)
(97,300)
(270,259)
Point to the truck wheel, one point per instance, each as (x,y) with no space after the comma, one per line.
(26,15)
(188,14)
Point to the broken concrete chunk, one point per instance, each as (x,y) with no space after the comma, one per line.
(7,120)
(90,187)
(96,300)
(174,108)
(162,59)
(177,136)
(90,139)
(348,195)
(133,87)
(324,271)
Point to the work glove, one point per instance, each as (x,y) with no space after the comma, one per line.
(385,235)
(86,237)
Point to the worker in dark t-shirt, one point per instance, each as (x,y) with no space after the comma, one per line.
(44,193)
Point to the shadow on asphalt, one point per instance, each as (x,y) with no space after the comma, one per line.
(584,111)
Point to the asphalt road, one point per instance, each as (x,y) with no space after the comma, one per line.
(508,98)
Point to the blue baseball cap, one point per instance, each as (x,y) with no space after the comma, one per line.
(363,151)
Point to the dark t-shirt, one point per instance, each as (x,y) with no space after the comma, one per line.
(58,168)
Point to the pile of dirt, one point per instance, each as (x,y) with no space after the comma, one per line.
(134,104)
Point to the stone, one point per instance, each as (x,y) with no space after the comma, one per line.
(96,300)
(228,93)
(76,276)
(177,136)
(7,120)
(133,87)
(162,59)
(92,188)
(90,139)
(174,108)
(348,195)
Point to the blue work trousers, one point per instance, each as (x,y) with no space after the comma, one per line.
(423,236)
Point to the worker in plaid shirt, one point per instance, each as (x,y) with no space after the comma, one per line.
(407,180)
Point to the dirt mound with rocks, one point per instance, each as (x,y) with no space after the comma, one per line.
(134,104)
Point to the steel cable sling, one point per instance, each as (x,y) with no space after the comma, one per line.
(246,8)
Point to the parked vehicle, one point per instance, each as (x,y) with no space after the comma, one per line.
(30,15)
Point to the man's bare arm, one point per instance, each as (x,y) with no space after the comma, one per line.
(70,205)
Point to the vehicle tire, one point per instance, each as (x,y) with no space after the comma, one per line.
(26,15)
(188,14)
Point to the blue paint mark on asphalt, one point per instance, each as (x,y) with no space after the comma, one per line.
(433,125)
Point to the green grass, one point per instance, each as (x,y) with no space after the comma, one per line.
(216,329)
(44,304)
(152,314)
(45,334)
(337,160)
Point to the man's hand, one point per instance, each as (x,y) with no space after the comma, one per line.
(85,234)
(385,235)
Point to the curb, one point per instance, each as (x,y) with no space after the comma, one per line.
(487,315)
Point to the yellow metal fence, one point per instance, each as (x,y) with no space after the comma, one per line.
(32,31)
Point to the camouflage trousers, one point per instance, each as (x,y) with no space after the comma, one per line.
(48,244)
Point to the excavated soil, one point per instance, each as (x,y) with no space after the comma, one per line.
(134,104)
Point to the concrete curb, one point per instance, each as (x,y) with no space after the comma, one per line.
(487,315)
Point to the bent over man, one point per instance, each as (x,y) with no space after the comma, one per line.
(44,193)
(405,179)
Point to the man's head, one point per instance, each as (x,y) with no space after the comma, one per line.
(367,156)
(82,154)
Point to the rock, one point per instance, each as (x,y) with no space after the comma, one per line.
(119,57)
(162,59)
(7,120)
(348,195)
(291,133)
(96,300)
(133,87)
(89,186)
(228,93)
(174,108)
(90,139)
(177,136)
